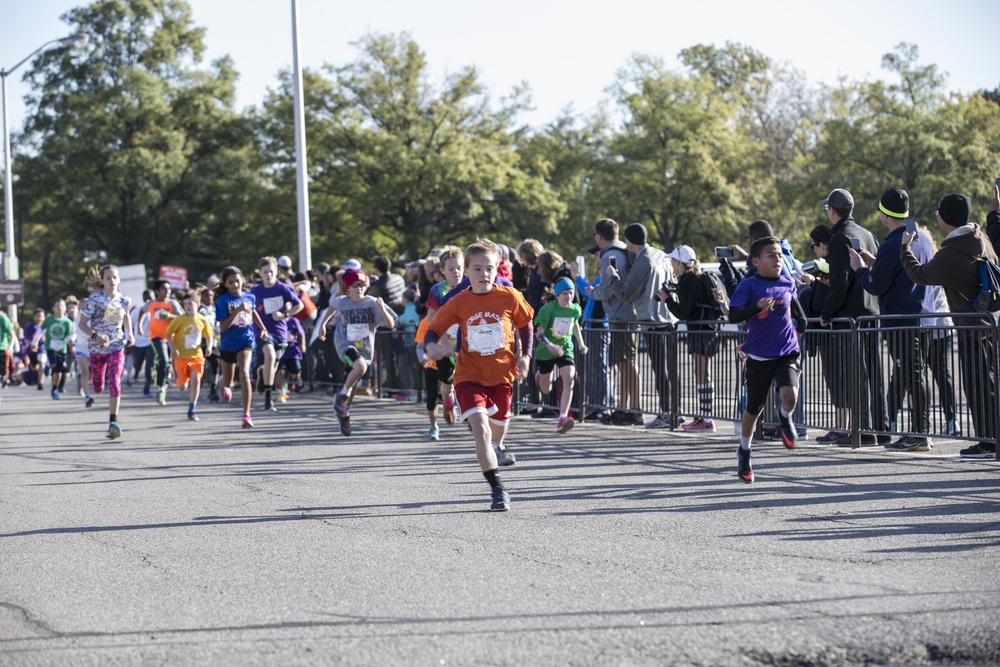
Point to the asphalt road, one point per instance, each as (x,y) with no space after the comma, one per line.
(202,543)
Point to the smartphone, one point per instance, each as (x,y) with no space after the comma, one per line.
(581,266)
(613,261)
(722,251)
(998,183)
(911,225)
(856,243)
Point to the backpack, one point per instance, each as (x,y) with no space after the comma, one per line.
(716,301)
(987,300)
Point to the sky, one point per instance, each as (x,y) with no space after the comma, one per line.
(568,52)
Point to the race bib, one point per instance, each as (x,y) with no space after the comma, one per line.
(485,338)
(162,314)
(273,304)
(243,319)
(113,315)
(357,332)
(57,345)
(453,334)
(192,339)
(561,326)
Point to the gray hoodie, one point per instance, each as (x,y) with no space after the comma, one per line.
(650,269)
(615,308)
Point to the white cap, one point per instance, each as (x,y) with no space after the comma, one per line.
(285,262)
(683,254)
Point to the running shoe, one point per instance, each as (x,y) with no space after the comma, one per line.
(213,398)
(147,393)
(449,410)
(55,395)
(832,437)
(952,429)
(340,405)
(565,424)
(345,423)
(504,457)
(700,424)
(743,470)
(247,421)
(114,431)
(227,395)
(269,405)
(282,397)
(88,402)
(501,500)
(980,450)
(192,416)
(789,436)
(161,397)
(910,444)
(662,421)
(434,433)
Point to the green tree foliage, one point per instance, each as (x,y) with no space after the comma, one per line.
(398,166)
(138,156)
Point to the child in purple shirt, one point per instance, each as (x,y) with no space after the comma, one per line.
(768,303)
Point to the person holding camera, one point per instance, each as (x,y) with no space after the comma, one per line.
(847,298)
(882,275)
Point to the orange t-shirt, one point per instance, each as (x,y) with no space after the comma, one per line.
(419,337)
(488,322)
(158,322)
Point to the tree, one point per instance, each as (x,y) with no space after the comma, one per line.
(138,156)
(400,166)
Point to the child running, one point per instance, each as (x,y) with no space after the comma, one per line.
(354,337)
(236,314)
(58,334)
(161,310)
(104,318)
(184,337)
(488,315)
(768,303)
(276,303)
(451,268)
(557,324)
(290,366)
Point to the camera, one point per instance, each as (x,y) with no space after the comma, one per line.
(817,267)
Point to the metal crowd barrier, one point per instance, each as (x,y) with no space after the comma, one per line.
(867,377)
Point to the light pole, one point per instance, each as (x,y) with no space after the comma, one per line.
(11,270)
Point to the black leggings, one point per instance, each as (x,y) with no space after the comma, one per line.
(161,356)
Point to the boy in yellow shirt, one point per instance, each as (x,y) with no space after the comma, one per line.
(184,336)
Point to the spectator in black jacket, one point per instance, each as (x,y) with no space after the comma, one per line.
(387,286)
(847,298)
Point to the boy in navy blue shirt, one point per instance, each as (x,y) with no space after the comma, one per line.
(768,303)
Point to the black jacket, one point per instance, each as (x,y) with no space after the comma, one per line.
(847,298)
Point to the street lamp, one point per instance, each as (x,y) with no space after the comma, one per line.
(11,271)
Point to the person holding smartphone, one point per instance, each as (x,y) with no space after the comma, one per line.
(846,298)
(883,276)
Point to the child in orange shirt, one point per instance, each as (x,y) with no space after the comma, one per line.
(488,360)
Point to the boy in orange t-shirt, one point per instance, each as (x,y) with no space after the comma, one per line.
(488,360)
(160,311)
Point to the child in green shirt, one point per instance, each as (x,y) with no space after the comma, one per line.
(557,324)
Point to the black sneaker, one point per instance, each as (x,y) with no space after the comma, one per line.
(980,450)
(345,423)
(88,402)
(743,470)
(867,440)
(501,500)
(269,405)
(192,416)
(340,405)
(772,434)
(789,437)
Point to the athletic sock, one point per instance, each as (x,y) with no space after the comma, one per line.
(492,478)
(784,413)
(745,442)
(191,406)
(113,417)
